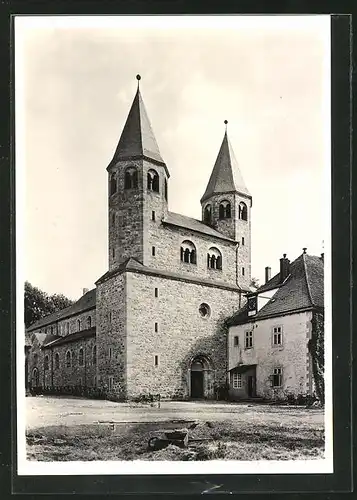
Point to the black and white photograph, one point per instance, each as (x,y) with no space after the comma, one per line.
(173,244)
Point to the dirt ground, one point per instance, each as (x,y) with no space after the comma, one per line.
(43,411)
(72,429)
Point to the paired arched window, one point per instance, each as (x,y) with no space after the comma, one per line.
(207,214)
(57,361)
(214,258)
(131,178)
(113,184)
(166,189)
(68,359)
(81,357)
(242,211)
(89,322)
(46,363)
(225,210)
(153,181)
(94,355)
(188,252)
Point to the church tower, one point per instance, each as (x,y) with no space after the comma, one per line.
(226,206)
(137,188)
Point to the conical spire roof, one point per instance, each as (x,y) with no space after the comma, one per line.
(226,176)
(137,138)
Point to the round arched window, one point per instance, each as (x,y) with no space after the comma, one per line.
(204,310)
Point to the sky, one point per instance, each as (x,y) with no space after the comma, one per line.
(75,82)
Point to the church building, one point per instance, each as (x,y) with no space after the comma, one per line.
(155,321)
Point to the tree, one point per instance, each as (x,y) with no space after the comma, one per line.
(254,282)
(39,304)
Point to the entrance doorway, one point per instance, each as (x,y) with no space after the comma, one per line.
(197,379)
(251,386)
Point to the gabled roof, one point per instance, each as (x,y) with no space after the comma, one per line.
(303,289)
(73,337)
(226,176)
(87,301)
(129,264)
(193,224)
(137,139)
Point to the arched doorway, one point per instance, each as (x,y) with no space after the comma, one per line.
(201,381)
(35,378)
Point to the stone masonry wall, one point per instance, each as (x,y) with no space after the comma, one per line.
(182,333)
(111,336)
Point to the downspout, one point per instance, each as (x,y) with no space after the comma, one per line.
(237,271)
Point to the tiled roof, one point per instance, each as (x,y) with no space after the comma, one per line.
(137,138)
(130,264)
(303,289)
(90,332)
(87,301)
(226,176)
(193,224)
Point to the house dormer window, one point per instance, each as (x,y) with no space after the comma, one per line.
(242,211)
(225,210)
(153,181)
(131,178)
(188,252)
(214,259)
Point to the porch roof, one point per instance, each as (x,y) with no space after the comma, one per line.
(242,368)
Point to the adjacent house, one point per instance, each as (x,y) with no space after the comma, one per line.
(275,342)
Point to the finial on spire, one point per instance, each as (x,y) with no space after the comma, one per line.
(225,123)
(138,77)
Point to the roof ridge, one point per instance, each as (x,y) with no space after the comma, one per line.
(306,279)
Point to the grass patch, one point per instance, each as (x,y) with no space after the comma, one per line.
(227,440)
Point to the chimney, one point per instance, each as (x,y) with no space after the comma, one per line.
(85,290)
(284,268)
(267,274)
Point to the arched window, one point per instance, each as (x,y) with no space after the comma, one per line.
(45,366)
(153,181)
(242,211)
(188,252)
(81,357)
(57,361)
(166,189)
(131,178)
(225,210)
(207,214)
(214,259)
(78,325)
(113,184)
(68,359)
(94,355)
(89,321)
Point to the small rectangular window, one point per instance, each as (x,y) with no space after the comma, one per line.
(248,340)
(156,360)
(156,327)
(156,292)
(153,215)
(110,353)
(153,251)
(243,271)
(236,340)
(237,380)
(277,377)
(110,383)
(243,240)
(94,381)
(113,252)
(277,336)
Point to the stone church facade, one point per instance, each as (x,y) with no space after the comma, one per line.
(155,322)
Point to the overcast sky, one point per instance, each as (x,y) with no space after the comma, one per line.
(75,84)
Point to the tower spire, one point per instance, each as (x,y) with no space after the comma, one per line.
(137,139)
(226,176)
